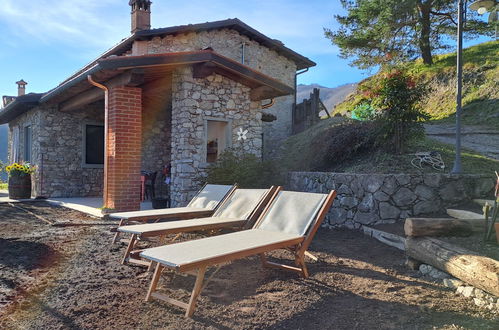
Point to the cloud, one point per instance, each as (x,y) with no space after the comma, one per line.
(74,22)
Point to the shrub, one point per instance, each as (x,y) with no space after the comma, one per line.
(397,98)
(247,170)
(363,111)
(343,142)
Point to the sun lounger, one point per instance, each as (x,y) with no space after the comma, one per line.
(290,221)
(240,209)
(204,204)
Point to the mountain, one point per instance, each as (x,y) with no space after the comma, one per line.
(329,96)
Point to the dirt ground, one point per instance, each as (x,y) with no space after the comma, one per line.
(70,278)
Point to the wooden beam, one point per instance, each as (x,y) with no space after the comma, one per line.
(132,78)
(442,226)
(261,93)
(463,214)
(203,70)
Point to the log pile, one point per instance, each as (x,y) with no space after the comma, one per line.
(480,271)
(475,269)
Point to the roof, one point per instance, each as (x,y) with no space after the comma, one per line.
(20,105)
(301,61)
(108,62)
(205,63)
(107,68)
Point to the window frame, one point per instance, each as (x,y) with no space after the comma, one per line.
(84,144)
(28,149)
(228,135)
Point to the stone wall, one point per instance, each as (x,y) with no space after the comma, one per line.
(228,43)
(193,102)
(57,151)
(368,199)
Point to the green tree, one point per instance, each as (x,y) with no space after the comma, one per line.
(397,97)
(378,32)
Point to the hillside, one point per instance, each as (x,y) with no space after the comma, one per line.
(329,96)
(480,88)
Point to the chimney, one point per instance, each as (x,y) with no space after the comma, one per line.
(141,15)
(21,87)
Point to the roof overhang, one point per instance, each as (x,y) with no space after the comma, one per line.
(138,70)
(19,106)
(154,66)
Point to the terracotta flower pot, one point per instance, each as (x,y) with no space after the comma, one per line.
(19,186)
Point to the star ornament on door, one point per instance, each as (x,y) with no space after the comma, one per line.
(241,134)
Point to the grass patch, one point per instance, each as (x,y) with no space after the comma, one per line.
(382,162)
(3,186)
(304,152)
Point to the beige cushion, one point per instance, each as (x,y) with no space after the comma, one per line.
(157,212)
(185,253)
(241,203)
(210,196)
(181,226)
(292,212)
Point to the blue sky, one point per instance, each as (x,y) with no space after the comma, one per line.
(45,41)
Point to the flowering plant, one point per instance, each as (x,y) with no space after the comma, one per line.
(19,169)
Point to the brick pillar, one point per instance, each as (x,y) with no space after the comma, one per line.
(124,148)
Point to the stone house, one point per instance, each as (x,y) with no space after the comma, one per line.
(176,95)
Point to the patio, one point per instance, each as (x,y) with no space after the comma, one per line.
(88,205)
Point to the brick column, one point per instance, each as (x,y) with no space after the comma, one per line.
(124,148)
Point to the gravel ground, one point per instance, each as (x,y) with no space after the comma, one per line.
(71,278)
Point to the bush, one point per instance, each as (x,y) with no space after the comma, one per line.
(343,142)
(397,98)
(247,170)
(363,111)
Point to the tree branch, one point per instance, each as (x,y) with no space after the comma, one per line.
(448,15)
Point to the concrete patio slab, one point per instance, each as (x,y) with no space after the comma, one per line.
(89,205)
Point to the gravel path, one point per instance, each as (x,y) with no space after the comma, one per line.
(483,140)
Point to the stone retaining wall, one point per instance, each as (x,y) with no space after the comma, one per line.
(368,199)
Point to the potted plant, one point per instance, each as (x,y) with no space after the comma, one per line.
(19,183)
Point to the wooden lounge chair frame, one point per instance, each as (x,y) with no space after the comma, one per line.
(132,256)
(298,246)
(175,216)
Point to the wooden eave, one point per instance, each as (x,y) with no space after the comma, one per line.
(110,70)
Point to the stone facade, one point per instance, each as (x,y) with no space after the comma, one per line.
(175,110)
(229,43)
(194,102)
(369,199)
(57,140)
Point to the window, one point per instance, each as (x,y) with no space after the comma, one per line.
(217,138)
(28,142)
(93,145)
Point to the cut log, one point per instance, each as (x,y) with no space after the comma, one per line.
(462,214)
(477,270)
(442,226)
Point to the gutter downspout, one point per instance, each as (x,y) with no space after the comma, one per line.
(106,112)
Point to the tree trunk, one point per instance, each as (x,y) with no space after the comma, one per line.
(470,267)
(425,31)
(442,227)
